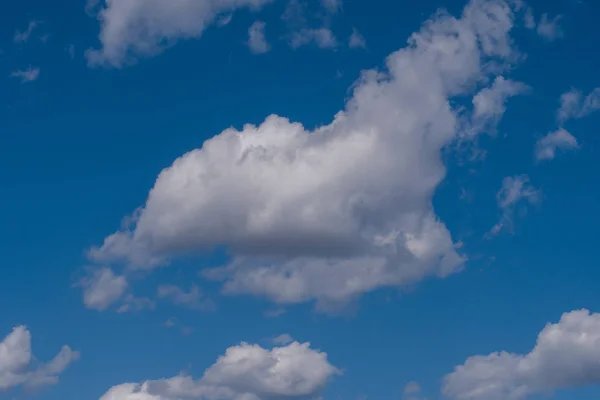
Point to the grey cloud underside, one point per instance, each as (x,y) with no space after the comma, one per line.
(344,209)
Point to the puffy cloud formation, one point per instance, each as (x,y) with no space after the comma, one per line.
(29,74)
(131,29)
(515,190)
(566,355)
(244,372)
(561,139)
(16,357)
(331,213)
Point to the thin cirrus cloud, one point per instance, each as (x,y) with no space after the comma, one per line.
(566,355)
(16,359)
(330,214)
(295,371)
(132,29)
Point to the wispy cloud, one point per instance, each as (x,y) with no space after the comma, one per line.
(26,75)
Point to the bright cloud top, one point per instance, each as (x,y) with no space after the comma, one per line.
(16,358)
(566,355)
(335,212)
(131,29)
(244,372)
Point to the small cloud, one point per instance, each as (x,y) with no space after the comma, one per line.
(194,299)
(27,75)
(171,322)
(134,304)
(71,51)
(283,339)
(23,36)
(274,313)
(546,147)
(322,37)
(574,106)
(515,191)
(332,6)
(550,29)
(529,19)
(256,38)
(356,40)
(102,288)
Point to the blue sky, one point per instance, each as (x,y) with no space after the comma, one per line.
(448,214)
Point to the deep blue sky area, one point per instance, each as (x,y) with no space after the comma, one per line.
(81,147)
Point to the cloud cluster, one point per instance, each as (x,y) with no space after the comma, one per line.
(16,358)
(566,355)
(331,213)
(131,29)
(244,372)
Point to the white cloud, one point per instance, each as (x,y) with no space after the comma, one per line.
(566,355)
(573,105)
(561,139)
(27,75)
(515,191)
(23,36)
(16,358)
(132,29)
(256,38)
(346,208)
(244,372)
(322,37)
(102,288)
(550,29)
(283,339)
(193,299)
(356,40)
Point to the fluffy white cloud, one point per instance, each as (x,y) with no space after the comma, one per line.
(27,75)
(356,40)
(244,372)
(322,37)
(102,288)
(549,28)
(346,208)
(131,29)
(566,355)
(193,299)
(573,105)
(16,357)
(515,191)
(561,139)
(256,38)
